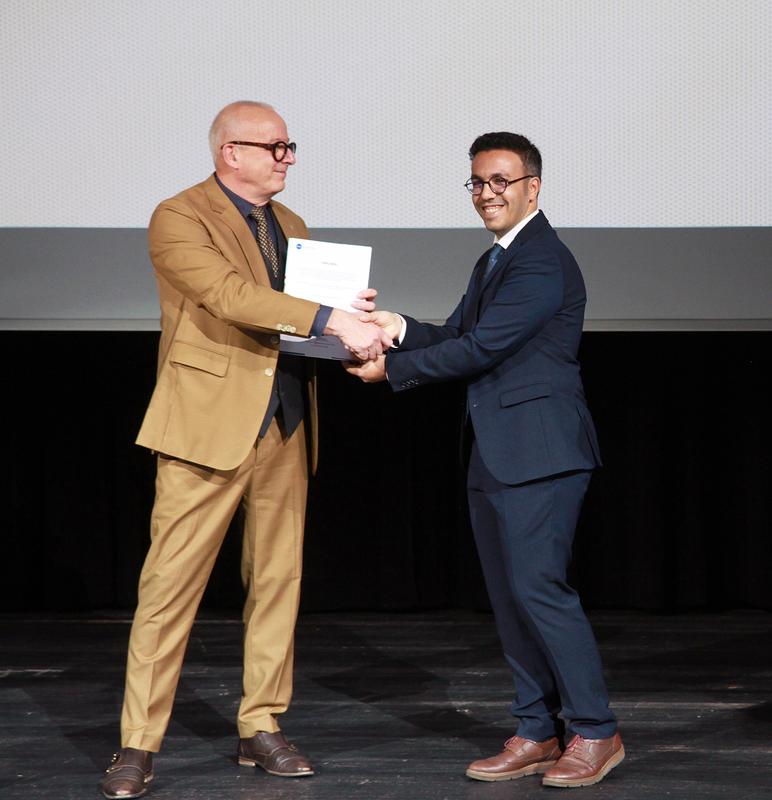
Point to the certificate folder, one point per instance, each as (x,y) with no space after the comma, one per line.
(330,274)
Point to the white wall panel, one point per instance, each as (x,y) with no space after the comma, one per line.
(648,112)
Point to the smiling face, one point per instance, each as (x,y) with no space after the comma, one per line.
(501,212)
(252,172)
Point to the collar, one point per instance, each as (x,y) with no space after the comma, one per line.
(244,206)
(509,236)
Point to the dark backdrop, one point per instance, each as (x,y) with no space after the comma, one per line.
(679,517)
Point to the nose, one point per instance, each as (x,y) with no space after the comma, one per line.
(487,193)
(289,157)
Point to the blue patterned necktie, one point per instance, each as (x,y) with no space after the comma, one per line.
(496,252)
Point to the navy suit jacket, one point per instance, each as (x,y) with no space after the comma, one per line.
(513,339)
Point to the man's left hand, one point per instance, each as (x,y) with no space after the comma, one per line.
(370,371)
(365,300)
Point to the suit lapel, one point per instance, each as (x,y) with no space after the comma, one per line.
(474,293)
(286,220)
(483,288)
(253,265)
(536,225)
(529,231)
(500,266)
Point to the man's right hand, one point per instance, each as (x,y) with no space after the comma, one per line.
(365,340)
(388,320)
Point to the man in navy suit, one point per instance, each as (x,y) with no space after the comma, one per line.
(513,339)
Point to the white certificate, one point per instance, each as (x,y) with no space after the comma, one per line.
(330,274)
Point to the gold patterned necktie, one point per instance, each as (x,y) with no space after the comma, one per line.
(265,240)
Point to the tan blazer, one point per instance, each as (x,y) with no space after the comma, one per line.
(220,326)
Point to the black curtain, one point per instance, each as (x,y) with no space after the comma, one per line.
(679,517)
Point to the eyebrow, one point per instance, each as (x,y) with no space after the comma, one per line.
(495,175)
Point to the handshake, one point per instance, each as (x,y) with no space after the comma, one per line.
(366,335)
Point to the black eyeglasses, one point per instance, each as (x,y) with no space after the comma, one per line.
(279,149)
(498,184)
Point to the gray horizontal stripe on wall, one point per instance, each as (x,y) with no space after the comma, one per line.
(637,278)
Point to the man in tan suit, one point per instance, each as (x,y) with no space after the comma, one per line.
(228,420)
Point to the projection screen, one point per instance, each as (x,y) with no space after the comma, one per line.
(653,119)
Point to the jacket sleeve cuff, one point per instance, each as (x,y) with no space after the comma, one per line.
(320,320)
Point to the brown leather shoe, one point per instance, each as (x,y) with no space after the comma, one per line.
(128,775)
(274,754)
(585,761)
(520,757)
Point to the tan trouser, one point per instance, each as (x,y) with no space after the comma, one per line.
(192,511)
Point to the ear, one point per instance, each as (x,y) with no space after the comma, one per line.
(534,187)
(230,155)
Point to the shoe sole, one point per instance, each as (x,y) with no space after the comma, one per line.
(247,762)
(531,769)
(148,779)
(565,783)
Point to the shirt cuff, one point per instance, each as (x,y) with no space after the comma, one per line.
(320,320)
(402,332)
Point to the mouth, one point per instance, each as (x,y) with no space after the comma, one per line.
(490,210)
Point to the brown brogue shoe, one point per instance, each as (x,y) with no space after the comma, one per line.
(274,754)
(520,757)
(128,775)
(585,762)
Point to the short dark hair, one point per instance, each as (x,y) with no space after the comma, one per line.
(503,140)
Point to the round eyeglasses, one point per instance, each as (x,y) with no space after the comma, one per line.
(498,184)
(279,149)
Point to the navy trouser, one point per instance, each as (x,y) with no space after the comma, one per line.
(524,536)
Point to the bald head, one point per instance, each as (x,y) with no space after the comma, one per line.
(233,121)
(250,168)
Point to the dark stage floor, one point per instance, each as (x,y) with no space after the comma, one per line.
(391,706)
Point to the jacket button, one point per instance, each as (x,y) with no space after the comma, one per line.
(269,372)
